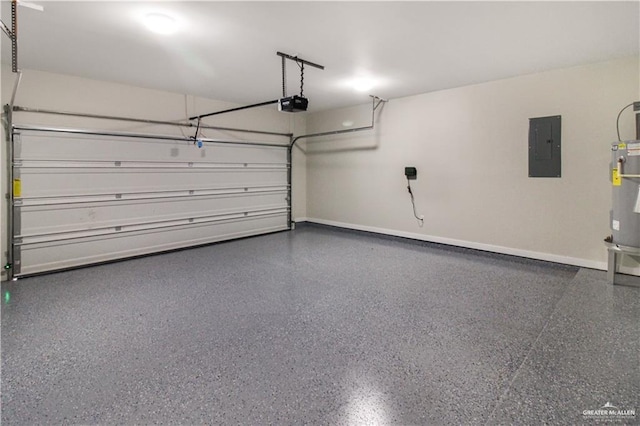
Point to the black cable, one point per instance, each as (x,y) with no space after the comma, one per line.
(618,120)
(413,203)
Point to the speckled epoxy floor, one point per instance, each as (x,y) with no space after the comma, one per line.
(319,326)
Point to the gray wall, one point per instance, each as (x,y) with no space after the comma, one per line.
(470,147)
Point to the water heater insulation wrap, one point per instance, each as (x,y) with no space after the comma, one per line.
(625,216)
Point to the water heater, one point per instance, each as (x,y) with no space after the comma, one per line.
(625,177)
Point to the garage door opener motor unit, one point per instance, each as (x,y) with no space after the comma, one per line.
(295,103)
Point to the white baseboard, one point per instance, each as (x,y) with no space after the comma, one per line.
(566,260)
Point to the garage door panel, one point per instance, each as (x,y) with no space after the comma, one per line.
(52,146)
(50,218)
(36,183)
(91,198)
(37,258)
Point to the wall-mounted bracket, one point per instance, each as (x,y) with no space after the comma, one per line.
(380,100)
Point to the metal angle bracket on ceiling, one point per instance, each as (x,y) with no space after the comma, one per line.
(293,100)
(301,63)
(379,99)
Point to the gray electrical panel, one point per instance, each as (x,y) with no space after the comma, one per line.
(544,146)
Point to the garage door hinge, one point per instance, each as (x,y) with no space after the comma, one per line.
(17,163)
(17,202)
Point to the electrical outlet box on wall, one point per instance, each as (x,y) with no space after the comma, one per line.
(411,173)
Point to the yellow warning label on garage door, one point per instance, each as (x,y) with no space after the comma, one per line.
(17,188)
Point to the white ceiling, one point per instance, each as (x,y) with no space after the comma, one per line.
(227,50)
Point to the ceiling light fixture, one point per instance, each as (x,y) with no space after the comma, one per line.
(362,84)
(160,23)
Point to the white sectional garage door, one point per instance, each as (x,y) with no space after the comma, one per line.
(83,198)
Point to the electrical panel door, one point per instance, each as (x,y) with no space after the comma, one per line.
(544,147)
